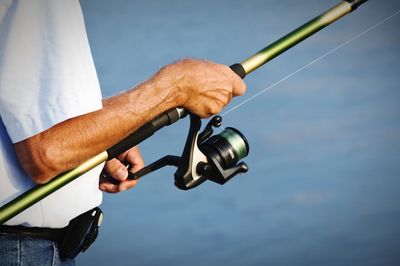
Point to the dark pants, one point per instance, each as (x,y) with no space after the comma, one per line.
(18,250)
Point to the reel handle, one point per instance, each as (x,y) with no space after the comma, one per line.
(165,119)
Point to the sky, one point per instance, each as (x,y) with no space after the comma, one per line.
(324,178)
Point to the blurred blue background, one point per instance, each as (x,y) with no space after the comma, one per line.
(324,180)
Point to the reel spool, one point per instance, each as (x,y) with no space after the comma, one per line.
(227,148)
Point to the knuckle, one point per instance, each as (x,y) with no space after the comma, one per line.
(213,109)
(187,61)
(224,98)
(131,157)
(135,158)
(111,165)
(240,89)
(225,68)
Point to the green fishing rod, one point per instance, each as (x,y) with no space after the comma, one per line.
(215,158)
(298,35)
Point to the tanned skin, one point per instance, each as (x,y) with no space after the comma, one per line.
(201,87)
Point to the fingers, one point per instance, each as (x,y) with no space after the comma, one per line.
(116,169)
(115,188)
(238,85)
(201,86)
(231,86)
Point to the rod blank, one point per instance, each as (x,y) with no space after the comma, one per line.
(298,35)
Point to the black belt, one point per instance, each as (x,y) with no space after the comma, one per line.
(76,237)
(52,234)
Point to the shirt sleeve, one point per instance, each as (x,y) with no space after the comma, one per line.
(47,74)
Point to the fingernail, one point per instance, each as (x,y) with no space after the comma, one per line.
(102,187)
(120,174)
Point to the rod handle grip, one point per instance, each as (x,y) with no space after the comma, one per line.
(239,70)
(165,119)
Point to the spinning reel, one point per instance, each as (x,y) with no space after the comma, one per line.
(205,156)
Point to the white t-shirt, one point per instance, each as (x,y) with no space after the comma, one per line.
(47,75)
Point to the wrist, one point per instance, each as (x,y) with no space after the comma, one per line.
(171,81)
(152,97)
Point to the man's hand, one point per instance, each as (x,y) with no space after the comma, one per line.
(204,87)
(116,169)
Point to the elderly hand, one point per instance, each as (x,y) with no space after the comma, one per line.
(204,87)
(116,169)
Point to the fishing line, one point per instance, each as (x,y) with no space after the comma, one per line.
(311,63)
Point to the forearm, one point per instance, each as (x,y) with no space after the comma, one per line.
(73,141)
(202,87)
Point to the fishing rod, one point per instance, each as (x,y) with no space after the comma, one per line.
(205,156)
